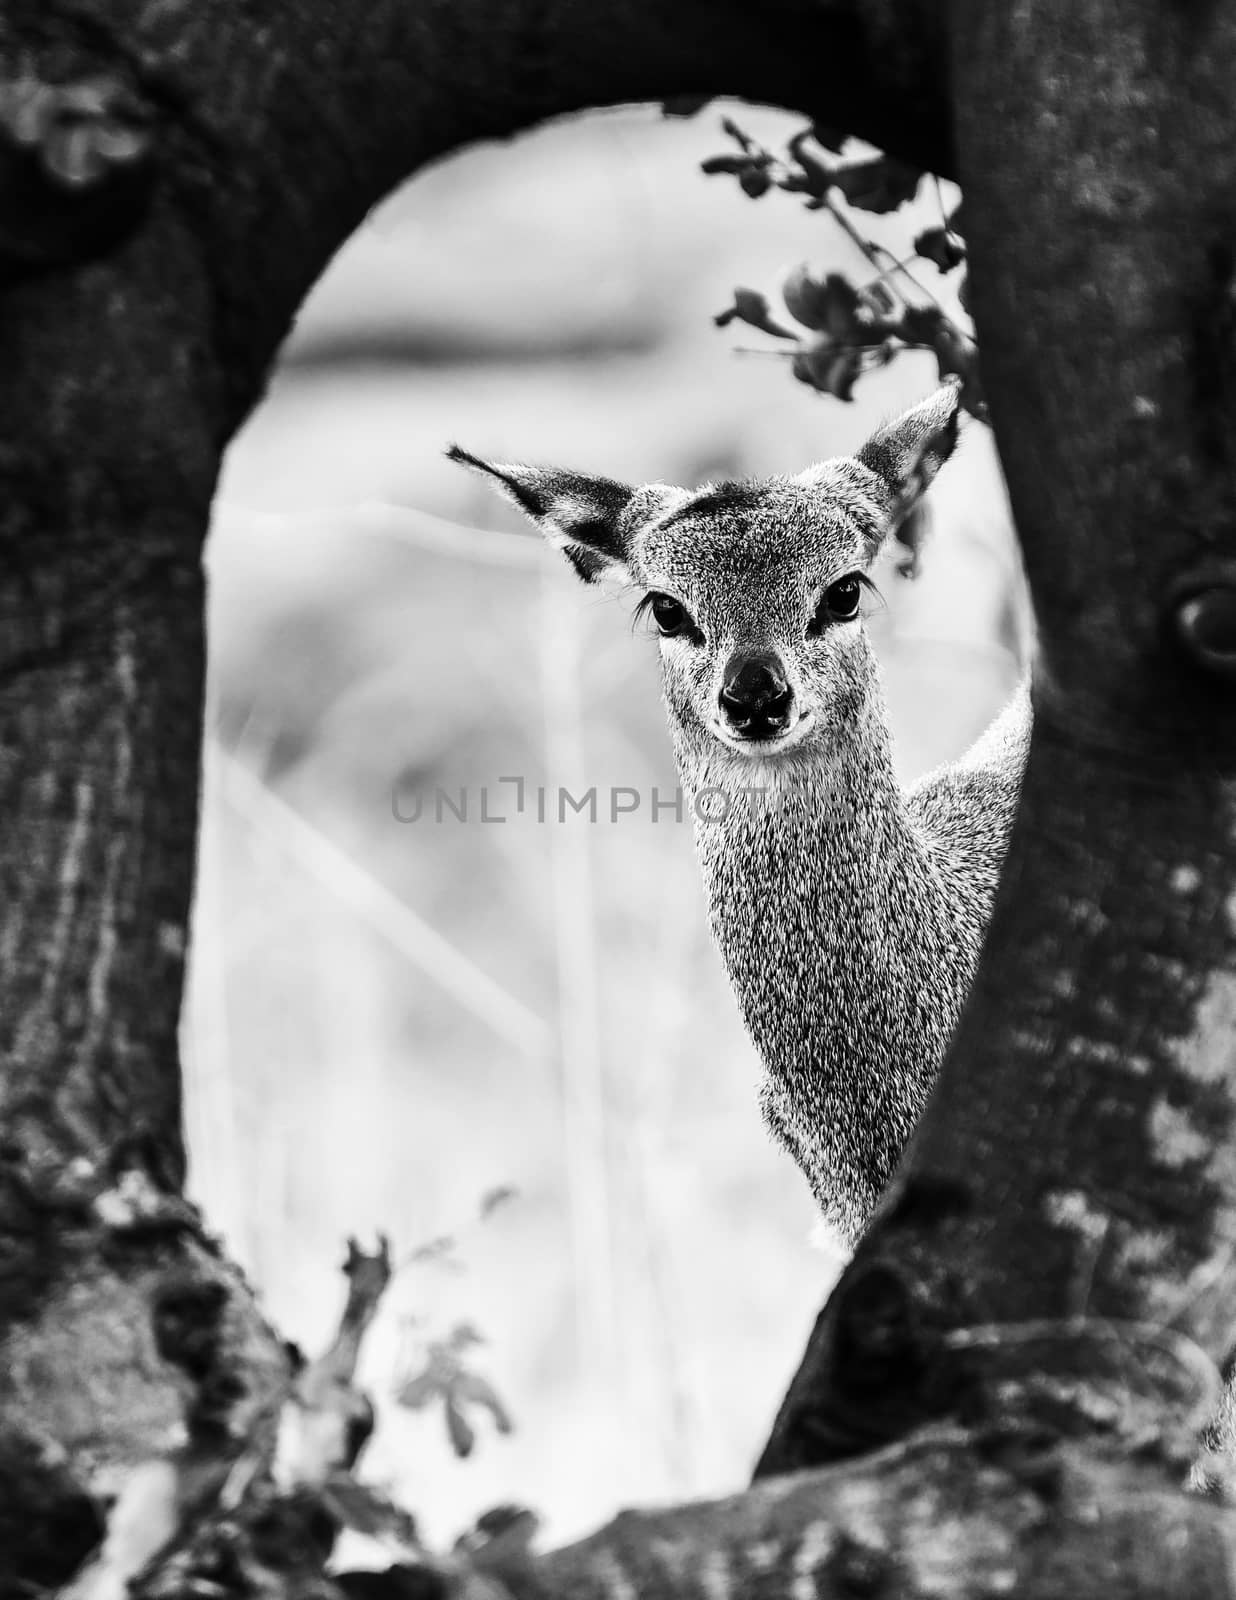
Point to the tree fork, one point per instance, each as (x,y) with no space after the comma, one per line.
(1093,142)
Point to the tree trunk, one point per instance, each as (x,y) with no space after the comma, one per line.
(1076,1164)
(1078,1160)
(172,180)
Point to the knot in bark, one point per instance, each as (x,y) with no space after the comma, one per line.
(1203,618)
(77,165)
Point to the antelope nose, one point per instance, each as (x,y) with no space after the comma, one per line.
(755,696)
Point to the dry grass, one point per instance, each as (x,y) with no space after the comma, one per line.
(388,1018)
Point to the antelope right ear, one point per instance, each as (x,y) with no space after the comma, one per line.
(583,516)
(906,454)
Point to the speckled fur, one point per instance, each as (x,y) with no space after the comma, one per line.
(850,918)
(850,914)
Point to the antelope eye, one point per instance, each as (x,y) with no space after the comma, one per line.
(671,617)
(839,602)
(843,596)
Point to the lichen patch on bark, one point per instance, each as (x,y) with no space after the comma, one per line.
(1175,1139)
(1208,1054)
(86,1372)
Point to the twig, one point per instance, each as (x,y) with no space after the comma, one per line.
(583,1067)
(379,519)
(414,938)
(874,252)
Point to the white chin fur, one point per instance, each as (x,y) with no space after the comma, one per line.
(763,749)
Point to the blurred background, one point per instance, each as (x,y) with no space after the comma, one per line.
(389,1019)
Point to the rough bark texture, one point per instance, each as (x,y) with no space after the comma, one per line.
(1078,1158)
(936,1517)
(279,125)
(1077,1163)
(142,298)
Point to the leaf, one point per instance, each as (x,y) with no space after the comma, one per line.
(459,1430)
(463,1336)
(954,352)
(727,164)
(478,1391)
(956,355)
(829,306)
(500,1540)
(814,177)
(941,248)
(500,1520)
(493,1199)
(827,368)
(436,1250)
(752,307)
(728,125)
(751,166)
(921,324)
(417,1392)
(880,185)
(880,297)
(366,1511)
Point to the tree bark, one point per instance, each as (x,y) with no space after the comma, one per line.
(1076,1165)
(149,267)
(279,127)
(933,1517)
(1078,1160)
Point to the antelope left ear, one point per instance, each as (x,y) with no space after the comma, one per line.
(583,516)
(905,455)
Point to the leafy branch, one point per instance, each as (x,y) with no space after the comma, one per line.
(845,329)
(445,1374)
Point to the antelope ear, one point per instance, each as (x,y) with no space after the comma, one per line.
(905,455)
(583,516)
